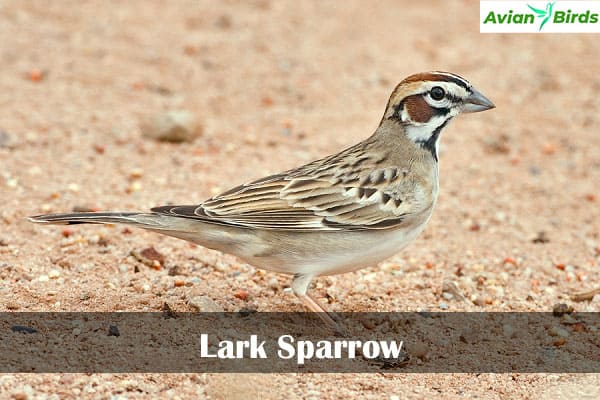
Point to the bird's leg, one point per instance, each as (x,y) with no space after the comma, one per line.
(299,285)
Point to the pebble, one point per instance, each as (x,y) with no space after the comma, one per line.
(136,173)
(568,320)
(561,309)
(205,304)
(508,331)
(5,139)
(558,331)
(241,294)
(134,187)
(443,306)
(23,329)
(274,284)
(469,336)
(54,274)
(113,330)
(479,301)
(172,126)
(149,256)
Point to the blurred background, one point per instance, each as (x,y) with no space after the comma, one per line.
(94,93)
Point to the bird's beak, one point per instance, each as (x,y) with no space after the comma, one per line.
(477,102)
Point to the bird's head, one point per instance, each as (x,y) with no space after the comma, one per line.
(424,103)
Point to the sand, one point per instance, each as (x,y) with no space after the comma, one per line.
(275,84)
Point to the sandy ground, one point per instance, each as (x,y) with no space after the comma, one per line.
(276,84)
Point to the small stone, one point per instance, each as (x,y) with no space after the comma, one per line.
(568,320)
(12,182)
(274,284)
(149,256)
(540,238)
(558,331)
(172,126)
(508,331)
(136,173)
(175,271)
(479,301)
(469,336)
(559,341)
(54,274)
(205,304)
(368,323)
(443,306)
(241,294)
(134,187)
(76,331)
(4,139)
(23,329)
(113,330)
(561,309)
(43,278)
(246,311)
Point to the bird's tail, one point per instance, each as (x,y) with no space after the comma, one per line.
(182,228)
(144,220)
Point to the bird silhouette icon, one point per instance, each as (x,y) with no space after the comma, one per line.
(545,14)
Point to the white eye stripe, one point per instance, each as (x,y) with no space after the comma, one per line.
(454,91)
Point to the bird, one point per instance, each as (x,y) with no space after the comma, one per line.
(338,214)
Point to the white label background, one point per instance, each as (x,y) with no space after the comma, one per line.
(520,7)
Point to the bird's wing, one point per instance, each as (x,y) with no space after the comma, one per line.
(540,13)
(343,192)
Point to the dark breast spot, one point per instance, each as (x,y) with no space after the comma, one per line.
(385,198)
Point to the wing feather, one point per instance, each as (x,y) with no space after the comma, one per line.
(345,192)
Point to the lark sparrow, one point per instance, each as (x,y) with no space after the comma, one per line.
(337,214)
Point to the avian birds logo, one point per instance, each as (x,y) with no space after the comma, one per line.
(544,14)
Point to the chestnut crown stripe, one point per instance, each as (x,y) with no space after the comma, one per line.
(438,77)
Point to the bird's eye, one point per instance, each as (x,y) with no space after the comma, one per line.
(437,93)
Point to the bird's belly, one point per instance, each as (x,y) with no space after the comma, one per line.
(334,252)
(316,253)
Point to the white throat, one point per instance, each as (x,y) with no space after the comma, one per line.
(427,134)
